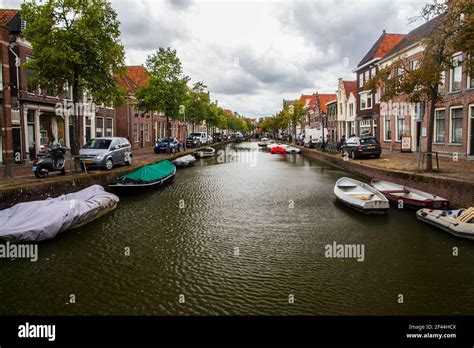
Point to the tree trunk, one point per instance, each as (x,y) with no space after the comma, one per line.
(168,127)
(429,147)
(76,125)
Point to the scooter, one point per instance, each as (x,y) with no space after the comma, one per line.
(52,161)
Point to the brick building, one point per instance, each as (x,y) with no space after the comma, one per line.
(368,105)
(31,118)
(142,129)
(454,117)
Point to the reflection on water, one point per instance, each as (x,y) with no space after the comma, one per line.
(238,238)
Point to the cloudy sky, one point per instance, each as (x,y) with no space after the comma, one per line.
(251,54)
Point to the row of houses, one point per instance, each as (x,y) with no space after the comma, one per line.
(29,117)
(397,124)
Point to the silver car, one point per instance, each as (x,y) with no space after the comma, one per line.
(106,152)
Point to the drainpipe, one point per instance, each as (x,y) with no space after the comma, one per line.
(17,65)
(128,119)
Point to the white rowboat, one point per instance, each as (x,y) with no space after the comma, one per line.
(361,197)
(207,152)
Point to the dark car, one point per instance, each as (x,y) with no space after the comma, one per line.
(357,147)
(163,144)
(218,137)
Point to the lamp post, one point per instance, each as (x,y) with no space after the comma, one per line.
(323,116)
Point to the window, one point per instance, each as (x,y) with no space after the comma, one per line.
(470,79)
(365,127)
(361,80)
(147,132)
(372,72)
(442,81)
(400,72)
(135,132)
(400,120)
(388,126)
(456,126)
(365,101)
(439,126)
(351,109)
(377,96)
(109,127)
(367,76)
(414,64)
(456,73)
(99,127)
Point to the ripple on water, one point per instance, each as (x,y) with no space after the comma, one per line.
(239,239)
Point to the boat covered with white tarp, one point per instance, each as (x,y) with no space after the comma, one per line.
(42,220)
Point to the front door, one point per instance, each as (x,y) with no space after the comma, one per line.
(17,144)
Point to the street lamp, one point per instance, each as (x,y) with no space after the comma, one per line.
(323,116)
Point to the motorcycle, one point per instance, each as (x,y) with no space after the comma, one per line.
(52,161)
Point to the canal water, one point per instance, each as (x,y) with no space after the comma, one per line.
(244,233)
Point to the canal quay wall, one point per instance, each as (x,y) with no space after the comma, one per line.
(58,185)
(460,193)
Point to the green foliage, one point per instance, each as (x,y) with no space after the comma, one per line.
(75,43)
(197,104)
(166,88)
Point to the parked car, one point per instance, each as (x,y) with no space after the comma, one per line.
(197,139)
(218,137)
(357,147)
(106,152)
(163,144)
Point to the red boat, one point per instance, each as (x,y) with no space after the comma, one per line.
(409,196)
(278,149)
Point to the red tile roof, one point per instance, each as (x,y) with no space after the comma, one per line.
(228,112)
(381,47)
(388,42)
(309,100)
(6,16)
(324,99)
(350,87)
(134,77)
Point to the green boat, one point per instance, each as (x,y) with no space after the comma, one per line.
(149,176)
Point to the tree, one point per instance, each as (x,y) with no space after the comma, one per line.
(197,104)
(452,23)
(75,43)
(293,115)
(166,88)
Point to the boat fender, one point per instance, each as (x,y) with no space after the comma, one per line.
(424,214)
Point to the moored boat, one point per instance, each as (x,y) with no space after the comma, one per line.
(149,176)
(459,223)
(207,152)
(409,196)
(278,149)
(271,146)
(292,149)
(361,197)
(42,220)
(185,161)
